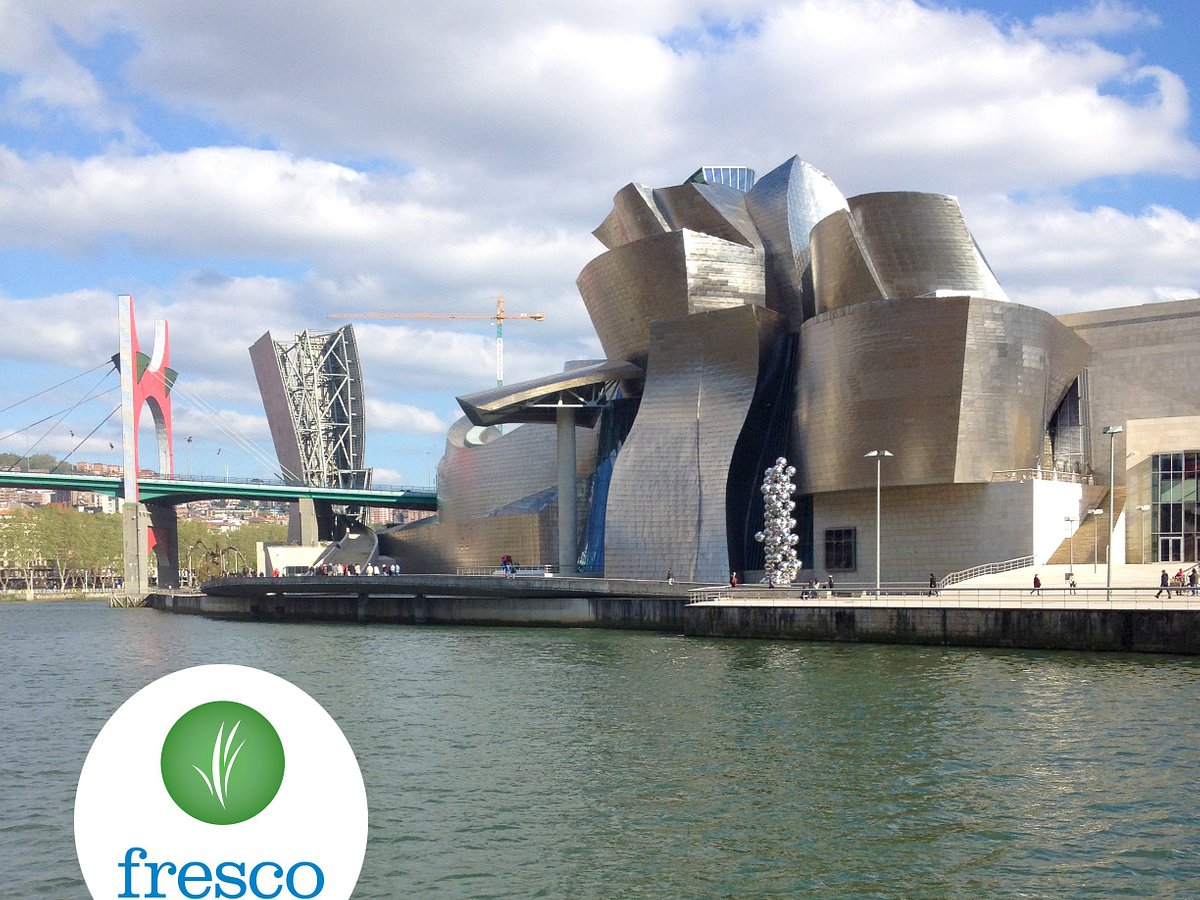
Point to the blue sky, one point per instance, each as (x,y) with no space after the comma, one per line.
(242,168)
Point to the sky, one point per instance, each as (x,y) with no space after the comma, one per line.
(242,168)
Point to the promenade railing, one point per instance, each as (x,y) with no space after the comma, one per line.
(951,598)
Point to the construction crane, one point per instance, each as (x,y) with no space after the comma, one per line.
(498,318)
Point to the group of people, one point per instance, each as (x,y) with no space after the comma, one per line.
(507,565)
(357,569)
(1166,582)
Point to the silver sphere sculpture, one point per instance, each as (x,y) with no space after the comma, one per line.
(777,538)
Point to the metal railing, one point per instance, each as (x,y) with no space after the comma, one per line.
(991,568)
(955,598)
(537,571)
(1041,473)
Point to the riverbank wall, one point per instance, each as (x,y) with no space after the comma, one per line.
(440,600)
(1089,622)
(1127,630)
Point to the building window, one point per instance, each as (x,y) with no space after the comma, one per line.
(1175,512)
(841,549)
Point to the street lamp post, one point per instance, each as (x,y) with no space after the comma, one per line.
(878,456)
(1095,538)
(1143,509)
(1071,530)
(1112,431)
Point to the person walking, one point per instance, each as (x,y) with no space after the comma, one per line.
(1037,585)
(1193,581)
(733,582)
(1164,584)
(932,585)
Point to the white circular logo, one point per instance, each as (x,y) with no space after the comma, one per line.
(221,781)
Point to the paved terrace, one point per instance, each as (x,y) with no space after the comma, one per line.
(1133,587)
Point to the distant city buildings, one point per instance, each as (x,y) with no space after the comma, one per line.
(223,514)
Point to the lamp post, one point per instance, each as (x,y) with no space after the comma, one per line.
(1112,431)
(1071,530)
(878,456)
(1095,538)
(1143,508)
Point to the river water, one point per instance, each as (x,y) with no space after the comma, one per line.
(506,762)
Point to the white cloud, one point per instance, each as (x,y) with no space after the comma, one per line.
(370,157)
(1103,17)
(385,415)
(1049,253)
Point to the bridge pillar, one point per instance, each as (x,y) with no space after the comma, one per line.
(146,383)
(154,527)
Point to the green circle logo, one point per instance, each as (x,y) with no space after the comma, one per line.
(222,762)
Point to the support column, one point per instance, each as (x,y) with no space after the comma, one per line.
(163,541)
(135,526)
(568,552)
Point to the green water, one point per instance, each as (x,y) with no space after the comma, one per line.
(576,763)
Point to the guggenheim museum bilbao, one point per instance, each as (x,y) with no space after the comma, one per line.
(743,319)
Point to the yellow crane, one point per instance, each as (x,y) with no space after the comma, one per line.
(498,318)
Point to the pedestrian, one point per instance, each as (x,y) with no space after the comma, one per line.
(1164,584)
(1193,580)
(670,575)
(932,585)
(1037,586)
(733,581)
(1072,583)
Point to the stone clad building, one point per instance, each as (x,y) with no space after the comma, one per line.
(744,319)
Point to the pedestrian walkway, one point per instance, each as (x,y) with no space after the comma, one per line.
(1133,587)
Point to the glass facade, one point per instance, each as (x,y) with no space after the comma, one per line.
(738,177)
(841,549)
(1174,512)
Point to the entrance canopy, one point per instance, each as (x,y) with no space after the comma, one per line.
(585,389)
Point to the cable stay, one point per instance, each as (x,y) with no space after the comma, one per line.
(107,362)
(213,417)
(116,409)
(62,414)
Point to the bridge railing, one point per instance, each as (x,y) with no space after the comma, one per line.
(278,482)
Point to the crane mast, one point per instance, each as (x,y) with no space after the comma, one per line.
(498,318)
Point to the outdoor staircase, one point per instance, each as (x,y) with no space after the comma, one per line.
(1092,534)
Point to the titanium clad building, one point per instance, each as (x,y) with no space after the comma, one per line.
(748,318)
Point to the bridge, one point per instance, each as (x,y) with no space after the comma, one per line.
(174,490)
(148,500)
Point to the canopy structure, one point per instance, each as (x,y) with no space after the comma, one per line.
(570,398)
(583,390)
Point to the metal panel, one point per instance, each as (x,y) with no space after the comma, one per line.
(956,387)
(842,274)
(786,204)
(666,501)
(710,209)
(665,276)
(918,244)
(634,216)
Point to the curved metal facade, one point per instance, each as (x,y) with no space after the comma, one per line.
(785,205)
(897,244)
(667,497)
(956,387)
(665,276)
(776,314)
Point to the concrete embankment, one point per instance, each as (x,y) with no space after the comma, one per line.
(968,618)
(1131,630)
(440,600)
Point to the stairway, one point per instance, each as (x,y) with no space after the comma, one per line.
(1092,531)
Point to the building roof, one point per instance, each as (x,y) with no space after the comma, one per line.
(584,389)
